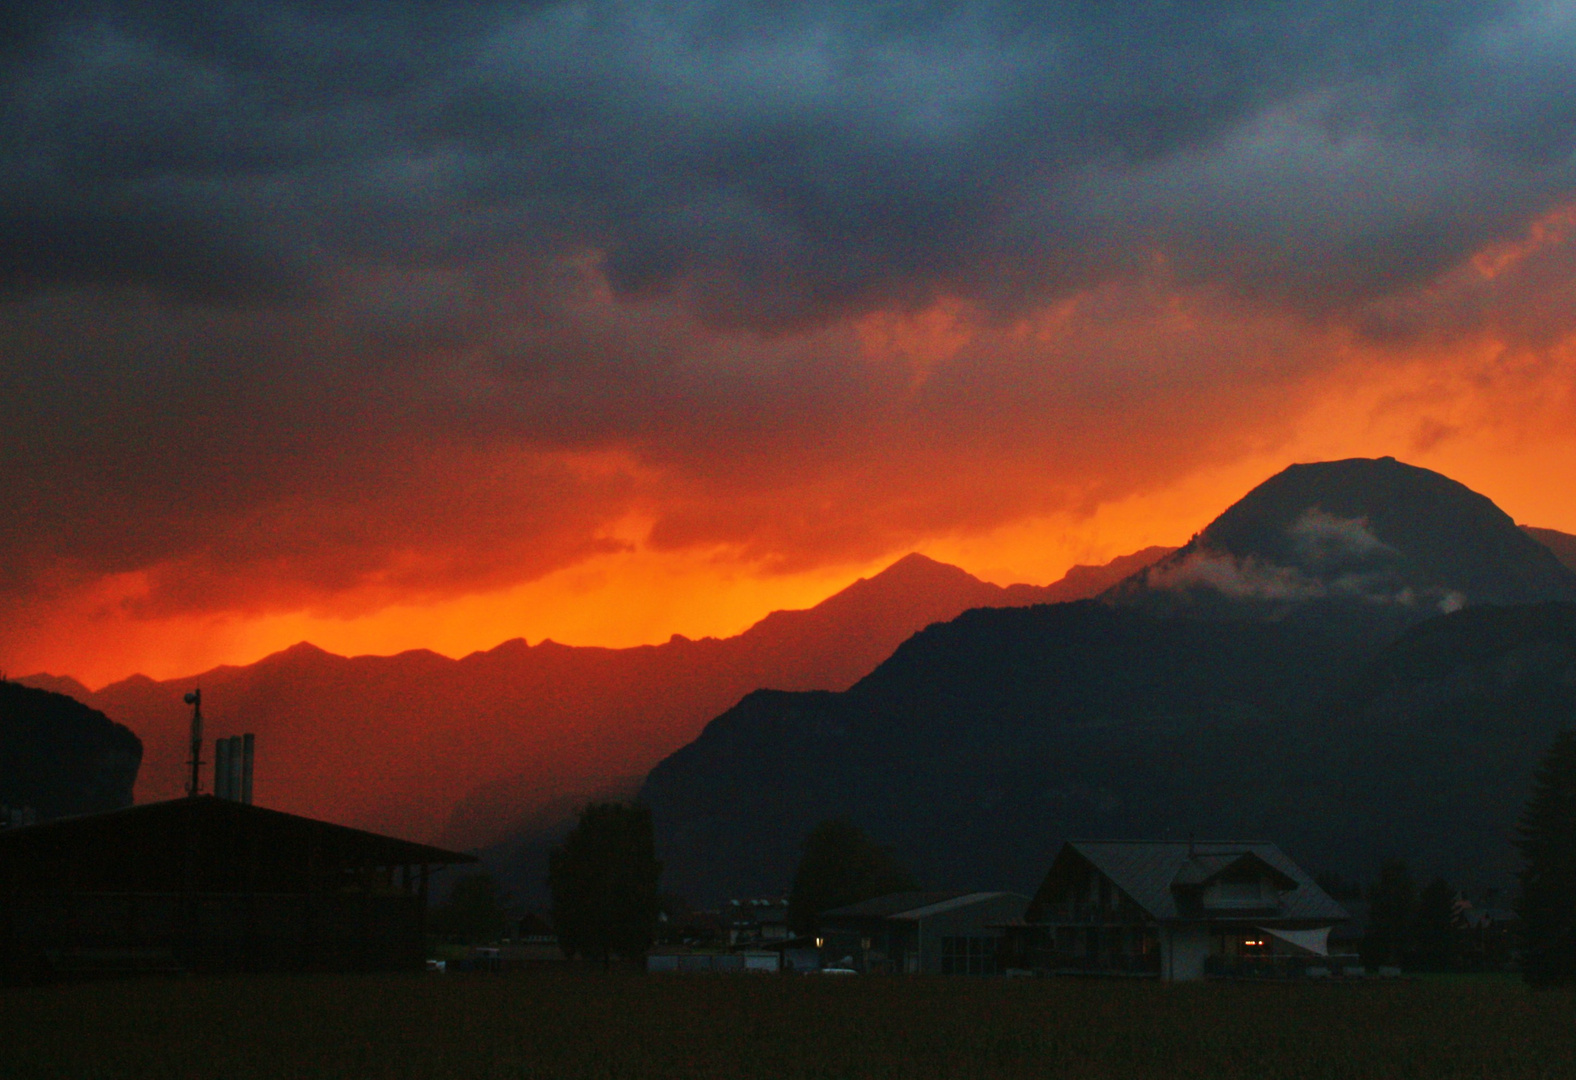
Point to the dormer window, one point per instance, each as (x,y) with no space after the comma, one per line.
(1251,893)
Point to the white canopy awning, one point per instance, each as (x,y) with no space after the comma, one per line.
(1316,942)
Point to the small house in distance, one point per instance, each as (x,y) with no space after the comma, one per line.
(920,932)
(209,884)
(752,921)
(1176,911)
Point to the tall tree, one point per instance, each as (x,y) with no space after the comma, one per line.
(1547,905)
(474,911)
(1392,901)
(841,865)
(603,880)
(1433,927)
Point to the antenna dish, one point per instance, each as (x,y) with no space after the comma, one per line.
(190,699)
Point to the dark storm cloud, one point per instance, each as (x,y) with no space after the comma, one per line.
(297,298)
(778,161)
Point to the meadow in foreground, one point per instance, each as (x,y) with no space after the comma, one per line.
(581,1025)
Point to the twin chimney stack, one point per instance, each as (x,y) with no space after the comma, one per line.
(232,768)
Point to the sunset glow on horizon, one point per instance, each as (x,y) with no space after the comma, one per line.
(606,325)
(639,596)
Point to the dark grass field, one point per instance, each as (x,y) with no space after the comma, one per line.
(589,1025)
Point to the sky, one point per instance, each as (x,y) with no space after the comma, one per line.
(419,324)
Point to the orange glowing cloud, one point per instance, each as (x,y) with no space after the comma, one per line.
(1028,446)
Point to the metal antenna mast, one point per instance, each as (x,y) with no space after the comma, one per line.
(194,785)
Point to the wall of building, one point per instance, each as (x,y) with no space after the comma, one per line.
(1183,952)
(979,920)
(89,933)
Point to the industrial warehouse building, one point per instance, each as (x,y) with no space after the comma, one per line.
(209,884)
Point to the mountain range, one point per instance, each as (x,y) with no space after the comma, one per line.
(1360,660)
(467,752)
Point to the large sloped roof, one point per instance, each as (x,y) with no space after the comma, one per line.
(966,900)
(915,905)
(225,844)
(1146,870)
(884,907)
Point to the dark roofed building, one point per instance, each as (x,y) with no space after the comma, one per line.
(944,933)
(210,884)
(1176,910)
(753,921)
(884,907)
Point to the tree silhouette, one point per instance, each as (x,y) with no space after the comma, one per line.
(1392,901)
(603,880)
(841,865)
(1433,927)
(474,911)
(1547,905)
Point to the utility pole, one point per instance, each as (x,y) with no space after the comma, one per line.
(194,785)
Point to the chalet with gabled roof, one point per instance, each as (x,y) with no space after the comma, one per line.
(1175,910)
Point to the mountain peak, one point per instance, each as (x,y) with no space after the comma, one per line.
(917,559)
(1376,531)
(58,684)
(915,568)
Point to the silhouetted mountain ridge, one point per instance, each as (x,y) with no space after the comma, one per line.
(58,757)
(984,739)
(1337,713)
(1563,545)
(461,751)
